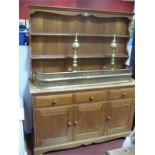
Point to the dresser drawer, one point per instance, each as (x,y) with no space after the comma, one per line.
(91,96)
(121,93)
(52,100)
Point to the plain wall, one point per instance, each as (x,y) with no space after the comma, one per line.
(24,92)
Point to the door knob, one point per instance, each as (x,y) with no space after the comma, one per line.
(123,94)
(54,102)
(108,118)
(91,98)
(75,122)
(69,123)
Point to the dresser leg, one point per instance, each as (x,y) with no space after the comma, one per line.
(38,153)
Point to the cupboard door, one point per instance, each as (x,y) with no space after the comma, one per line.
(88,121)
(120,115)
(53,125)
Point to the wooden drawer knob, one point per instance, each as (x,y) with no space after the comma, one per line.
(91,98)
(124,94)
(54,102)
(75,122)
(108,118)
(69,123)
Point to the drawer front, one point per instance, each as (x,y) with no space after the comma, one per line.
(121,93)
(91,96)
(52,100)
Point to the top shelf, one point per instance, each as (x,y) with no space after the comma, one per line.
(79,34)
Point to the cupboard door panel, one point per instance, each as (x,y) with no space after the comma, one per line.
(53,125)
(120,115)
(88,121)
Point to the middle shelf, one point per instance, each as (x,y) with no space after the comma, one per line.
(118,55)
(79,34)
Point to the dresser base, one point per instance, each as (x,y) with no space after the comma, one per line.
(72,144)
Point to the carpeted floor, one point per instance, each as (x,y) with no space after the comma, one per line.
(93,149)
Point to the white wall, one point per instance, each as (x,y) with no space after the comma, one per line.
(24,93)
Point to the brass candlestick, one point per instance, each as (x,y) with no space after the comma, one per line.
(75,46)
(113,46)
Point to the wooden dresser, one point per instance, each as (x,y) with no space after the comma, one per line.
(66,117)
